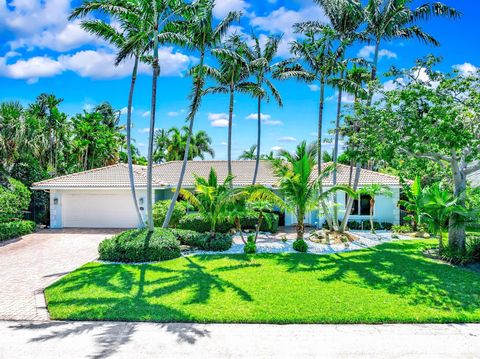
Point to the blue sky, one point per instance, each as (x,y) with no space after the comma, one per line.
(40,51)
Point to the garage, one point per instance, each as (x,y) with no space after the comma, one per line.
(98,210)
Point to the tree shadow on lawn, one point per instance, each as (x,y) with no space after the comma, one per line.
(399,268)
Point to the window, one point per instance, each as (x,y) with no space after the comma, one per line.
(360,207)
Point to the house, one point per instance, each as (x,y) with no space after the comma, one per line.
(101,198)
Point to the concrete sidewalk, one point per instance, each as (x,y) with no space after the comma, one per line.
(149,340)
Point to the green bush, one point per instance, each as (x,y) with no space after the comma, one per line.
(16,229)
(300,245)
(14,200)
(203,241)
(250,247)
(160,210)
(473,248)
(139,245)
(187,237)
(401,228)
(197,222)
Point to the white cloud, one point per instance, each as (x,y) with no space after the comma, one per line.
(146,114)
(223,7)
(281,21)
(144,130)
(276,148)
(124,110)
(466,69)
(287,139)
(31,69)
(368,51)
(346,98)
(218,119)
(266,119)
(314,87)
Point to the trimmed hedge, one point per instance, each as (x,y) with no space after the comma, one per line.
(16,229)
(196,222)
(138,245)
(300,246)
(160,210)
(365,225)
(203,241)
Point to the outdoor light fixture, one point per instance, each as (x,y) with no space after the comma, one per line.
(55,201)
(140,201)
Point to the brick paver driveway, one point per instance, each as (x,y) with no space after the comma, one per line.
(32,263)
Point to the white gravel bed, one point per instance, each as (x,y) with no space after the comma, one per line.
(266,244)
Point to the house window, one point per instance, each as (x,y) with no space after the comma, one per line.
(361,206)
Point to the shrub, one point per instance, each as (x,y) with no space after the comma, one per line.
(250,248)
(300,245)
(401,228)
(269,222)
(473,248)
(160,210)
(139,245)
(187,237)
(221,242)
(16,229)
(194,222)
(14,199)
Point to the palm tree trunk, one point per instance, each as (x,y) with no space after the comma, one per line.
(259,224)
(259,136)
(319,153)
(239,229)
(129,143)
(335,151)
(196,99)
(300,226)
(230,125)
(374,69)
(348,208)
(156,71)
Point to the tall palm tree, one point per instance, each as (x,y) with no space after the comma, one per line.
(315,61)
(393,19)
(204,35)
(231,77)
(373,191)
(249,154)
(346,17)
(261,66)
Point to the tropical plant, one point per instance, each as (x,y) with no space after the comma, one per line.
(213,199)
(373,191)
(414,203)
(231,77)
(439,205)
(249,154)
(261,67)
(204,36)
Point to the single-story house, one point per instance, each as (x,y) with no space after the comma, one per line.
(101,198)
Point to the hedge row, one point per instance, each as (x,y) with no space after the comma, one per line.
(365,225)
(16,229)
(196,222)
(220,243)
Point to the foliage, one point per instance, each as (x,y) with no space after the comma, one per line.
(414,203)
(16,229)
(139,245)
(251,246)
(170,145)
(300,246)
(14,200)
(160,211)
(220,243)
(374,190)
(361,225)
(396,228)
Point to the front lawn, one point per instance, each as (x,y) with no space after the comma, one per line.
(392,282)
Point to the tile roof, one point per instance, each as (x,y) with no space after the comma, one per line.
(166,175)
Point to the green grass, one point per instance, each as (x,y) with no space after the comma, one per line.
(391,283)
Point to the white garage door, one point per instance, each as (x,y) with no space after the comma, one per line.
(98,211)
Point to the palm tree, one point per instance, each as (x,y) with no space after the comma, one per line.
(299,192)
(249,154)
(414,203)
(231,77)
(261,67)
(373,191)
(346,16)
(204,36)
(161,140)
(440,204)
(318,63)
(213,199)
(393,19)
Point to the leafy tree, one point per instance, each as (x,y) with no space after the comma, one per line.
(433,116)
(14,200)
(204,36)
(373,191)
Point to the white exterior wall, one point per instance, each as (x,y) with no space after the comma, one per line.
(94,205)
(385,210)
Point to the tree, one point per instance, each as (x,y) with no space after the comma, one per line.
(299,192)
(414,203)
(393,19)
(440,204)
(204,36)
(373,191)
(433,116)
(249,154)
(261,67)
(230,77)
(212,199)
